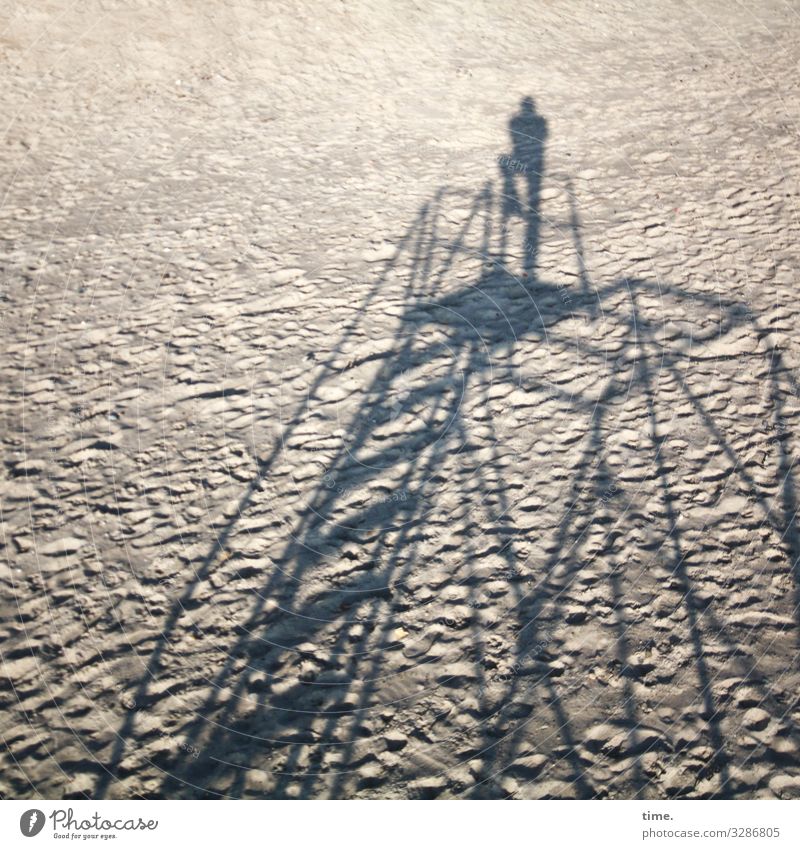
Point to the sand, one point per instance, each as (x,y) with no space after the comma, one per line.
(399,400)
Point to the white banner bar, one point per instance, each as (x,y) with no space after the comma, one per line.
(389,824)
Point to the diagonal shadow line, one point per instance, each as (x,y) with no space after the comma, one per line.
(787,527)
(433,462)
(752,671)
(679,567)
(532,603)
(554,702)
(631,717)
(178,607)
(291,552)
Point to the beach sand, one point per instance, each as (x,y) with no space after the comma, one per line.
(399,400)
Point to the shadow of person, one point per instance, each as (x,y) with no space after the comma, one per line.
(521,174)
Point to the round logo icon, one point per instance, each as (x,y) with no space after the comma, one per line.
(31,822)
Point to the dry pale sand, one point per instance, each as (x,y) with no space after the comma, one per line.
(400,399)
